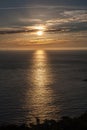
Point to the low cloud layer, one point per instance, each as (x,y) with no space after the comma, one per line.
(61,21)
(65,21)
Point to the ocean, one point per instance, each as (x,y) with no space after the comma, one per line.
(44,84)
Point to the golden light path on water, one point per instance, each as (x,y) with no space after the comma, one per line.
(39,99)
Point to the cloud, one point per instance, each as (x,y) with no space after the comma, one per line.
(70,20)
(25,14)
(64,21)
(41,2)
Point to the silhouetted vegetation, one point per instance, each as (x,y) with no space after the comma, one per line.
(85,80)
(66,123)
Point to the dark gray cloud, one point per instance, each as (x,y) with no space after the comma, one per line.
(7,3)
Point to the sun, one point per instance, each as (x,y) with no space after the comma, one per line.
(40,33)
(40,30)
(40,27)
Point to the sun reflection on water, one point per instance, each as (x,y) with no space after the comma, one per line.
(41,75)
(39,99)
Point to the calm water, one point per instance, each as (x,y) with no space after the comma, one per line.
(45,84)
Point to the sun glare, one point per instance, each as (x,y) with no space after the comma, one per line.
(40,27)
(40,30)
(40,33)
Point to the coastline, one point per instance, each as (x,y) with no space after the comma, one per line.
(65,123)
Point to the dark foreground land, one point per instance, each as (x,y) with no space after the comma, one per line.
(66,123)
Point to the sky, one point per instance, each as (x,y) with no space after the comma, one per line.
(43,24)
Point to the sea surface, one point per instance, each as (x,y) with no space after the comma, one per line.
(44,84)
